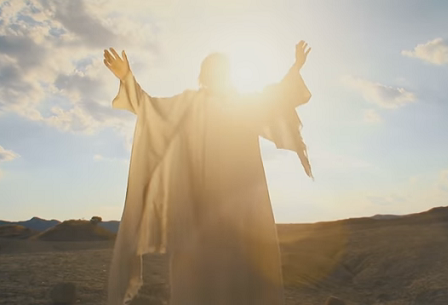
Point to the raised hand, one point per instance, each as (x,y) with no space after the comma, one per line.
(301,53)
(118,66)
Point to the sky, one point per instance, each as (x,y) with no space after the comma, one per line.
(375,127)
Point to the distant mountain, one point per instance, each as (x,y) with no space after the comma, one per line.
(40,225)
(112,225)
(35,223)
(384,216)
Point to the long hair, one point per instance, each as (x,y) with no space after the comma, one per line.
(215,68)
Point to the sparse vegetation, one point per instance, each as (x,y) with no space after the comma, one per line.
(96,220)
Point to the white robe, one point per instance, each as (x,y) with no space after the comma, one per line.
(197,190)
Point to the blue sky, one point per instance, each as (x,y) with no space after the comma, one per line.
(375,126)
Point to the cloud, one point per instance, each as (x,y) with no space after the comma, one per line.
(75,18)
(371,116)
(7,155)
(385,200)
(51,68)
(443,180)
(99,157)
(328,160)
(379,94)
(411,195)
(434,51)
(417,193)
(24,50)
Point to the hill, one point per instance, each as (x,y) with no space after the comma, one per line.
(369,261)
(15,231)
(386,216)
(112,225)
(40,225)
(35,223)
(75,230)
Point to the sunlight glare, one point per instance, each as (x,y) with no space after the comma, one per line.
(253,66)
(258,54)
(245,78)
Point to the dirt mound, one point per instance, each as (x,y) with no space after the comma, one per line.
(76,230)
(366,261)
(15,231)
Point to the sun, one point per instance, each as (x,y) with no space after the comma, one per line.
(249,74)
(253,66)
(258,54)
(246,77)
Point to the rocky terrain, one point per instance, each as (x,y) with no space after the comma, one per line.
(364,261)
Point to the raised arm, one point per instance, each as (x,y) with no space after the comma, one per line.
(280,98)
(278,120)
(118,66)
(291,91)
(130,95)
(302,51)
(133,98)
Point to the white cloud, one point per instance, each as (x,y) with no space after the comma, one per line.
(413,195)
(371,116)
(99,157)
(443,180)
(327,160)
(75,120)
(51,68)
(385,200)
(7,155)
(379,94)
(434,51)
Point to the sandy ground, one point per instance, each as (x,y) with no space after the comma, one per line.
(29,269)
(364,262)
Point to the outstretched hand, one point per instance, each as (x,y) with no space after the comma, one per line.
(118,66)
(301,53)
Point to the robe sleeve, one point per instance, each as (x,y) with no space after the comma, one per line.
(130,95)
(133,98)
(157,117)
(272,114)
(143,223)
(276,102)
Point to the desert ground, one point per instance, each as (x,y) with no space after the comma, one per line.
(365,261)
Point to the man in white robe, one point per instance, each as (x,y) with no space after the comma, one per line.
(197,188)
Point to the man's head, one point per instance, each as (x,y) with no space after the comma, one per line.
(215,72)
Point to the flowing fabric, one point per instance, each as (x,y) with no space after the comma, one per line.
(197,190)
